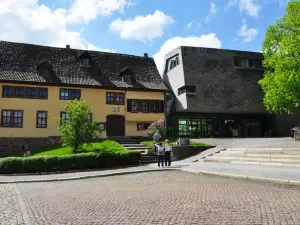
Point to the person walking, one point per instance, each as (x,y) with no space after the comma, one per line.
(168,151)
(160,154)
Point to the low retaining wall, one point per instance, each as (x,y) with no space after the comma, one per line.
(182,152)
(18,146)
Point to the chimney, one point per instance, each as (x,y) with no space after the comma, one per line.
(67,46)
(146,55)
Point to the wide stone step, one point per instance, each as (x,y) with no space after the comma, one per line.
(133,145)
(292,152)
(276,164)
(128,142)
(263,149)
(137,148)
(148,157)
(148,162)
(259,155)
(231,158)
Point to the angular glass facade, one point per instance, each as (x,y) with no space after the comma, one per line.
(218,125)
(194,126)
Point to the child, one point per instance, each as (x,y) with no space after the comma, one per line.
(160,154)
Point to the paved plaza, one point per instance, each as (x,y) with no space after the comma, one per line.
(166,197)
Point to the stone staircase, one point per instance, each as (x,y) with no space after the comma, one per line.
(133,143)
(282,157)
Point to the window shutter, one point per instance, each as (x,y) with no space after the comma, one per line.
(162,106)
(150,106)
(129,105)
(140,105)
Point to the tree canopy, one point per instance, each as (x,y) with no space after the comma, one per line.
(79,127)
(281,50)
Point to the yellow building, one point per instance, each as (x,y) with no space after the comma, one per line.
(126,92)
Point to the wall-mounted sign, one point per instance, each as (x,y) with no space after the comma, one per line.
(115,109)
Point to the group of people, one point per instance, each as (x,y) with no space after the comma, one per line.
(163,152)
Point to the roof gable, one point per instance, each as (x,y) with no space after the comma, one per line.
(44,64)
(85,54)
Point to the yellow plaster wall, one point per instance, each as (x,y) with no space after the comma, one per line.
(95,97)
(131,130)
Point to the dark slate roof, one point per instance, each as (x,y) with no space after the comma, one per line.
(19,62)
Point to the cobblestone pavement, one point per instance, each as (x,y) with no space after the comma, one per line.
(168,197)
(285,142)
(10,212)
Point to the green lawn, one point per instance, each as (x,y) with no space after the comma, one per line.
(92,147)
(173,143)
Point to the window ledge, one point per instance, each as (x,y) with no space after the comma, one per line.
(191,93)
(115,104)
(248,68)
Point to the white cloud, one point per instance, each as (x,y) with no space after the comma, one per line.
(246,34)
(212,12)
(28,21)
(142,28)
(205,40)
(196,24)
(251,7)
(90,46)
(193,24)
(87,10)
(213,8)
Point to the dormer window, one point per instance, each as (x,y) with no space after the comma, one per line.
(44,73)
(85,62)
(127,78)
(44,69)
(85,59)
(127,75)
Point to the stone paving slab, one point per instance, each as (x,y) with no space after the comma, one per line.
(267,172)
(285,142)
(158,198)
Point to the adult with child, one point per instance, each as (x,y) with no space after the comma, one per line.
(156,138)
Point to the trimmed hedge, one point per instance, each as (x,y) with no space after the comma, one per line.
(81,161)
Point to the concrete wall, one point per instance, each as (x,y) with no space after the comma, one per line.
(181,152)
(220,87)
(174,79)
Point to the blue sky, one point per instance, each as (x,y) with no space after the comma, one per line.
(138,26)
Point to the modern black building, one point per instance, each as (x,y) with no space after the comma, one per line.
(215,93)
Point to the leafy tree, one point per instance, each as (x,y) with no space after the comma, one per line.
(281,50)
(79,127)
(159,125)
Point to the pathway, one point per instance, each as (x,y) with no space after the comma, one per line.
(161,198)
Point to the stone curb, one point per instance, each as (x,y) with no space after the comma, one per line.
(254,178)
(86,177)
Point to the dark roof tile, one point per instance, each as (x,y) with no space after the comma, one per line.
(18,63)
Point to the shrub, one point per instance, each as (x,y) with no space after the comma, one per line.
(105,159)
(158,125)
